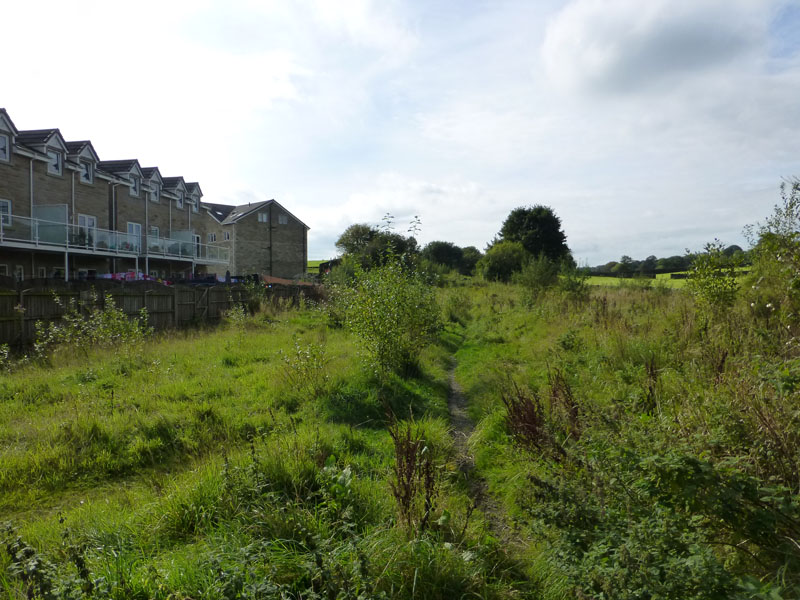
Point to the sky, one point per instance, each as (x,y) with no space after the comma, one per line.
(649,126)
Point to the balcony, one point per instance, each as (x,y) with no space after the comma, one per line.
(22,232)
(158,247)
(26,233)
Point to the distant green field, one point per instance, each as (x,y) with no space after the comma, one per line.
(662,279)
(313,266)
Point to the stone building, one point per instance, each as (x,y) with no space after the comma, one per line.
(65,213)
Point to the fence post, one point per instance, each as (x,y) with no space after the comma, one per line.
(175,306)
(21,310)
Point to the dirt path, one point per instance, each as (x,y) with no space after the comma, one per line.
(462,429)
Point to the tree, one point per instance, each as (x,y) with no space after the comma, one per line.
(538,229)
(469,258)
(356,238)
(648,265)
(501,261)
(371,246)
(443,253)
(624,267)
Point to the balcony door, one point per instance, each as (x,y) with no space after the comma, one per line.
(134,236)
(87,230)
(196,245)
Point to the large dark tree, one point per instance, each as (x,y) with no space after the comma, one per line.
(443,253)
(538,229)
(469,258)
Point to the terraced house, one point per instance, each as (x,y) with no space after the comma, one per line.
(64,213)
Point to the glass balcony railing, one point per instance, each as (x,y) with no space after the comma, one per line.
(38,232)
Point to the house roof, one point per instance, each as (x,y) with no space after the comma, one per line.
(36,137)
(193,186)
(5,118)
(243,210)
(148,172)
(118,166)
(76,148)
(218,211)
(172,182)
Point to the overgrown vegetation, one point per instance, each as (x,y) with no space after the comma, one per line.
(631,442)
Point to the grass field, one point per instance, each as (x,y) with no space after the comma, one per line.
(313,266)
(661,280)
(626,445)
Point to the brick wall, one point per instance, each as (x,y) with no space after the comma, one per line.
(15,184)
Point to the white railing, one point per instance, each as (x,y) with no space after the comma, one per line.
(38,232)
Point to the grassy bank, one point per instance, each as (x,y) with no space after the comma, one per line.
(628,445)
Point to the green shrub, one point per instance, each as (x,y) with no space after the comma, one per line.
(538,275)
(104,326)
(501,261)
(393,313)
(712,279)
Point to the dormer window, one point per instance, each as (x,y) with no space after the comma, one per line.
(154,194)
(5,147)
(179,202)
(195,204)
(135,185)
(54,162)
(87,172)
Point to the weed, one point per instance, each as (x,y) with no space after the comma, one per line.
(525,420)
(305,368)
(414,485)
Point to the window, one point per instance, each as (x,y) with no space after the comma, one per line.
(42,273)
(212,237)
(135,185)
(4,270)
(154,274)
(87,172)
(196,204)
(154,231)
(263,217)
(226,236)
(5,147)
(283,220)
(54,163)
(179,201)
(5,212)
(19,272)
(155,193)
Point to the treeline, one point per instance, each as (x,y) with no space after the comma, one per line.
(367,246)
(628,267)
(528,234)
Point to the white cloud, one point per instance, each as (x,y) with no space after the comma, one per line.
(624,45)
(647,126)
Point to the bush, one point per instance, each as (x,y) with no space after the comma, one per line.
(712,280)
(776,259)
(536,276)
(501,261)
(392,311)
(104,326)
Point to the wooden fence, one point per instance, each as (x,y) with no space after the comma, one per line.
(23,305)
